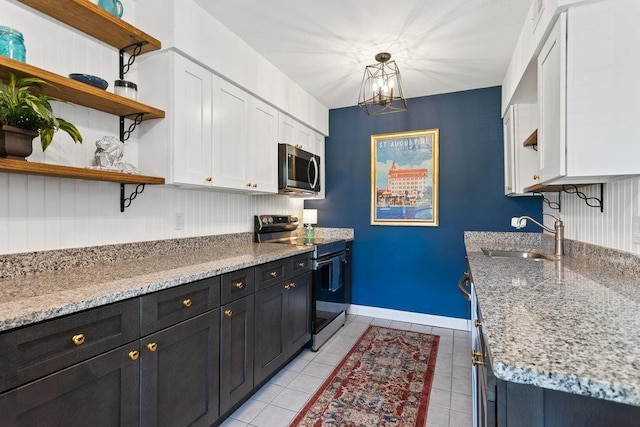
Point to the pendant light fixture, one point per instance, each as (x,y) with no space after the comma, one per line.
(381,90)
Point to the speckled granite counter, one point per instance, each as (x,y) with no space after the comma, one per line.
(30,298)
(570,325)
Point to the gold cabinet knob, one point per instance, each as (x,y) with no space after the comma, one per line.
(274,274)
(536,176)
(476,362)
(255,185)
(478,323)
(187,302)
(152,346)
(239,285)
(301,264)
(293,285)
(133,355)
(248,184)
(208,179)
(509,188)
(78,339)
(287,287)
(228,313)
(476,353)
(290,286)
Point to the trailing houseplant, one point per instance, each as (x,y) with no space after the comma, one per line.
(24,106)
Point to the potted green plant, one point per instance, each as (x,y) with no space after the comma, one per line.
(25,112)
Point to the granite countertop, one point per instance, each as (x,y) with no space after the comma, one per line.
(570,325)
(27,299)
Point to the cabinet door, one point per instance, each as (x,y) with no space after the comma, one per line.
(179,373)
(230,136)
(270,339)
(552,103)
(192,123)
(236,351)
(509,155)
(298,319)
(102,391)
(263,149)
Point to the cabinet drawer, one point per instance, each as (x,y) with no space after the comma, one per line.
(171,306)
(237,284)
(301,264)
(38,350)
(273,272)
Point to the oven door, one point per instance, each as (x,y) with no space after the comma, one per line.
(330,295)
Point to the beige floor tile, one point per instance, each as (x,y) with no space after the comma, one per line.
(460,419)
(437,416)
(381,322)
(461,385)
(319,370)
(283,378)
(443,382)
(273,416)
(232,422)
(267,392)
(425,329)
(405,326)
(291,399)
(440,398)
(306,383)
(249,410)
(443,332)
(461,402)
(328,358)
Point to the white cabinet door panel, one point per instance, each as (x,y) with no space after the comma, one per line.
(263,158)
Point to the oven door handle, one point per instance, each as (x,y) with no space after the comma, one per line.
(319,264)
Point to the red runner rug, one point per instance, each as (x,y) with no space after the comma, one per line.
(384,380)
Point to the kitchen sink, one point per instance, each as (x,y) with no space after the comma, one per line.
(495,253)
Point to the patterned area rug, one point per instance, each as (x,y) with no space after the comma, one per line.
(384,380)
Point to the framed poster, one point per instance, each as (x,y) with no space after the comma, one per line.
(404,178)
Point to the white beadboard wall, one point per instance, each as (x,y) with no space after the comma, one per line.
(611,228)
(41,213)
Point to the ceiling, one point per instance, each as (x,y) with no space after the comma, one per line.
(440,46)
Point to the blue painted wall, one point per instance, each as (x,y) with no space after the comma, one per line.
(416,268)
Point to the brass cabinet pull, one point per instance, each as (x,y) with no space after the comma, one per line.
(239,285)
(536,176)
(293,285)
(274,274)
(133,355)
(248,184)
(78,339)
(152,346)
(255,185)
(187,302)
(301,264)
(508,188)
(290,286)
(287,287)
(476,353)
(478,323)
(208,179)
(228,313)
(476,362)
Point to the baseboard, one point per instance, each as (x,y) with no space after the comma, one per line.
(408,316)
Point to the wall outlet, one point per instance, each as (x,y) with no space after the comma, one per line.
(635,230)
(179,221)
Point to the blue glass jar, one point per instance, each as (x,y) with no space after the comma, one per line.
(12,44)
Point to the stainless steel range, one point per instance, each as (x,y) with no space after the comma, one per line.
(330,295)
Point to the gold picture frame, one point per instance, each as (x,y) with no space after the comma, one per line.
(404,178)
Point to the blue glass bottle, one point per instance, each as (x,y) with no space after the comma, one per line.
(12,44)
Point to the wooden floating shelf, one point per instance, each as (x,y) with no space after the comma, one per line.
(549,188)
(531,140)
(46,169)
(96,22)
(79,93)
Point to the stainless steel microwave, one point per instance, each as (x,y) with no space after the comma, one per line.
(298,170)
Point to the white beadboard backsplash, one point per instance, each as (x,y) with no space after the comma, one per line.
(611,228)
(41,213)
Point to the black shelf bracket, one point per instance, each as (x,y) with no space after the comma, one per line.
(137,48)
(125,202)
(126,133)
(593,202)
(553,205)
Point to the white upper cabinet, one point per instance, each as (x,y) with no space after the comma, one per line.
(585,77)
(520,161)
(292,132)
(215,134)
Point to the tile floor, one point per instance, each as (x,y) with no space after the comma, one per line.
(278,401)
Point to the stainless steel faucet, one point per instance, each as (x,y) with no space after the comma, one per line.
(558,230)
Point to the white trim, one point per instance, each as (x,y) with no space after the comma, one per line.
(408,316)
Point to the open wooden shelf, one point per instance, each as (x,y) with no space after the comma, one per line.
(77,92)
(96,22)
(549,188)
(46,169)
(531,140)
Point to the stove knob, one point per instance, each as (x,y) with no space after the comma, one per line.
(265,220)
(270,220)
